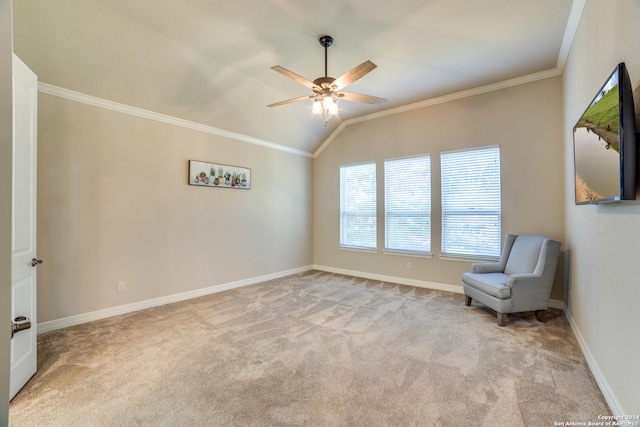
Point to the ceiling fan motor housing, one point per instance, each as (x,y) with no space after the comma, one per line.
(324,82)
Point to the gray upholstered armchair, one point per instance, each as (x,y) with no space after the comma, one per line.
(520,281)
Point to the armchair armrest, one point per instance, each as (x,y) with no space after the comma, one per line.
(541,280)
(487,267)
(518,280)
(528,292)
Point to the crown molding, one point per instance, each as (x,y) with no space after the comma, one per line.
(575,15)
(577,7)
(163,118)
(553,72)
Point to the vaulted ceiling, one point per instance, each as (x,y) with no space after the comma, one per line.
(209,61)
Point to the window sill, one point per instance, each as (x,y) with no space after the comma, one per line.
(408,253)
(356,249)
(467,258)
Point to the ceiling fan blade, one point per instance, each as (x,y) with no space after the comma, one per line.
(294,76)
(300,98)
(354,74)
(356,97)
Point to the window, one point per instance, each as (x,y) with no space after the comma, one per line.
(407,201)
(358,206)
(471,202)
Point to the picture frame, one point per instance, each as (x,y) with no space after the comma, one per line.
(206,174)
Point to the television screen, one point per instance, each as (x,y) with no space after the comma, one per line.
(604,144)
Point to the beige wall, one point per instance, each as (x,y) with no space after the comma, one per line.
(525,121)
(114,205)
(604,241)
(6,135)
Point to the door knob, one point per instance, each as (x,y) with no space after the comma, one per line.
(22,323)
(35,262)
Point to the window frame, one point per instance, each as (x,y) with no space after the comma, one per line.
(481,207)
(345,242)
(390,212)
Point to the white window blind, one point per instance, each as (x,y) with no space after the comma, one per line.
(471,202)
(358,206)
(407,201)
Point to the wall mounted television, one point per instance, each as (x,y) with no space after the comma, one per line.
(604,144)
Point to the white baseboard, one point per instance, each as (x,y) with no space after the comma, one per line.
(78,319)
(607,392)
(456,289)
(601,380)
(53,325)
(392,279)
(557,303)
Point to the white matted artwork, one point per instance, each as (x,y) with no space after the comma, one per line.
(216,175)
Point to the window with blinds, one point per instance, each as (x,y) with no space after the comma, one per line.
(407,201)
(471,202)
(358,206)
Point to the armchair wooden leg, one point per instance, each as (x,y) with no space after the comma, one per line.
(467,300)
(540,316)
(502,319)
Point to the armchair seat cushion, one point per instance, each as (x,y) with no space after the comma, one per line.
(493,284)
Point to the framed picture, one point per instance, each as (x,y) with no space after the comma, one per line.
(216,175)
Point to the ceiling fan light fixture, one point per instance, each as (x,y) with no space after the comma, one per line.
(328,102)
(317,106)
(333,108)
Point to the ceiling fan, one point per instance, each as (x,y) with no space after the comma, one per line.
(327,90)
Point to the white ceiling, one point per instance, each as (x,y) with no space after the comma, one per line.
(208,61)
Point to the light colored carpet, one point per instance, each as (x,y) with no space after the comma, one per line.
(314,349)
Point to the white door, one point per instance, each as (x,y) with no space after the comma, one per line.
(23,239)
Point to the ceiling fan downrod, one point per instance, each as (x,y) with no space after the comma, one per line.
(325,42)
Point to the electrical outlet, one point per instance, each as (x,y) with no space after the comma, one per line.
(408,265)
(122,287)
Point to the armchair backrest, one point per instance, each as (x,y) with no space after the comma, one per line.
(525,254)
